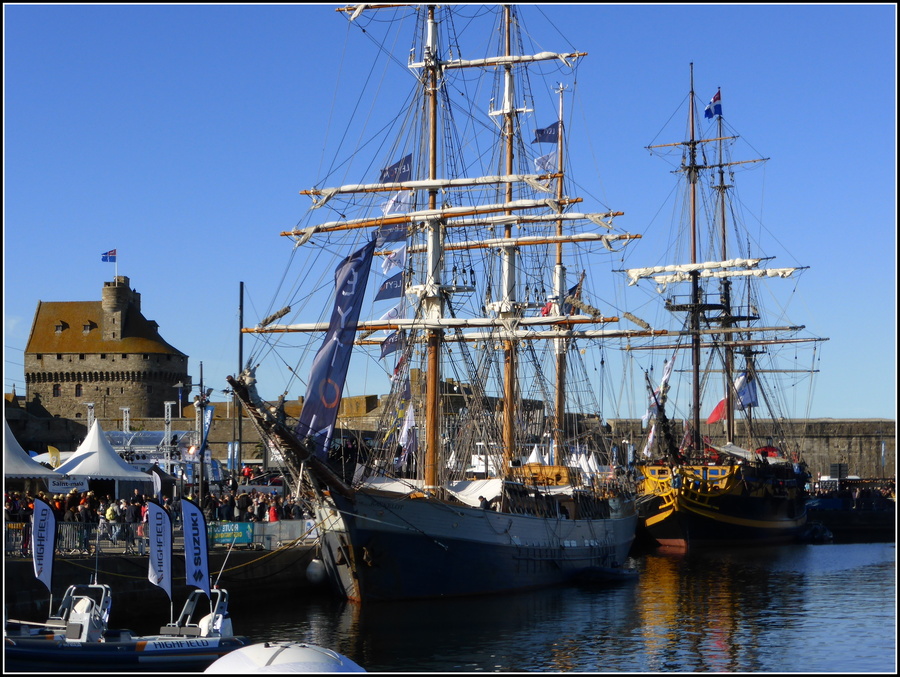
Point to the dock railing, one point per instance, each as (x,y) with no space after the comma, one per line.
(75,539)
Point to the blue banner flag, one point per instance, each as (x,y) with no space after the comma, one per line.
(398,172)
(547,134)
(391,232)
(207,422)
(108,257)
(329,369)
(715,105)
(392,343)
(160,525)
(43,542)
(196,550)
(391,288)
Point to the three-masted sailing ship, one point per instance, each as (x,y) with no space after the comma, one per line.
(743,482)
(486,468)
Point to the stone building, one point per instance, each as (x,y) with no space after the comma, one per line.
(102,352)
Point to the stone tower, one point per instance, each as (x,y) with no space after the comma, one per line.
(102,352)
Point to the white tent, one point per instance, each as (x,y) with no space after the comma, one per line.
(18,464)
(95,459)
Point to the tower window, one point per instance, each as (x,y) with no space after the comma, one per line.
(78,391)
(57,390)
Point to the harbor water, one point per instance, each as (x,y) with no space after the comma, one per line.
(803,608)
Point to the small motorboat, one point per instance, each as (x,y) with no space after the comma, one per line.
(77,637)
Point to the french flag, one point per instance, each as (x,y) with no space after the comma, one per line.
(715,105)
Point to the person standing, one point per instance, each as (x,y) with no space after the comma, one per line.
(132,521)
(243,505)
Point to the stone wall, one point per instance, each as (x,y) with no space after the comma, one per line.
(856,442)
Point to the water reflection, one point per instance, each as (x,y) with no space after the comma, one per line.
(781,609)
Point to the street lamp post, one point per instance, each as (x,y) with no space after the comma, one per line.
(180,387)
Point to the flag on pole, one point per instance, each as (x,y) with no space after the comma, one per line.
(390,232)
(545,164)
(394,313)
(408,439)
(396,259)
(398,172)
(547,134)
(108,257)
(159,524)
(715,105)
(746,398)
(392,343)
(43,542)
(329,369)
(399,202)
(196,552)
(653,408)
(391,288)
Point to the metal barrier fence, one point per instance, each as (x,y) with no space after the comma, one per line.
(77,538)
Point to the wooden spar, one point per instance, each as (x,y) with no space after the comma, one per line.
(416,185)
(413,217)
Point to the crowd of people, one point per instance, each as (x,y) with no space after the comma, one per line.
(241,505)
(122,521)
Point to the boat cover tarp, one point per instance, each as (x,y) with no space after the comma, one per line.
(746,454)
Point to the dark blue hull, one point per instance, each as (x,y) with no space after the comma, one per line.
(385,549)
(157,654)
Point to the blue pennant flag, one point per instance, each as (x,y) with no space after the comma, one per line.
(715,105)
(398,172)
(108,257)
(329,369)
(196,550)
(391,288)
(567,308)
(392,343)
(43,541)
(160,533)
(547,134)
(390,232)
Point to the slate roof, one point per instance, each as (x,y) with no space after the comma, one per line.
(139,335)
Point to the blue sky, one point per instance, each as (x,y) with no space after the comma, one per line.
(180,135)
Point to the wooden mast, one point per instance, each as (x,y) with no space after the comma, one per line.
(727,320)
(561,287)
(695,275)
(509,311)
(433,301)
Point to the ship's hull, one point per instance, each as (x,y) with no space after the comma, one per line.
(721,505)
(378,547)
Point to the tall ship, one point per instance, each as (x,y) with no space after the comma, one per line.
(465,284)
(736,475)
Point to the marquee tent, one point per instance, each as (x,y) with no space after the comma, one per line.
(95,459)
(18,464)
